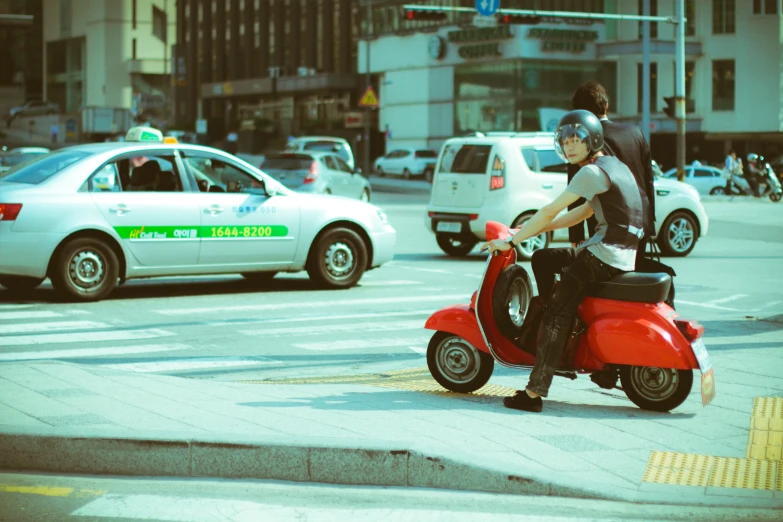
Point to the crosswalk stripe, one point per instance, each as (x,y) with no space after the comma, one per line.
(320,317)
(191,364)
(15,316)
(389,283)
(54,325)
(332,303)
(338,328)
(92,352)
(59,338)
(355,344)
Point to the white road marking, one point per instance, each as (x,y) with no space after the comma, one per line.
(355,344)
(334,303)
(419,349)
(726,299)
(54,325)
(773,303)
(707,305)
(78,312)
(433,270)
(92,352)
(323,317)
(83,337)
(192,509)
(389,283)
(14,306)
(7,316)
(341,328)
(190,364)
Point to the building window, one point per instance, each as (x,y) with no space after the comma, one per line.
(765,7)
(690,15)
(653,86)
(653,12)
(723,85)
(159,23)
(723,16)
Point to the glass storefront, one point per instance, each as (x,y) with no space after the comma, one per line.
(506,95)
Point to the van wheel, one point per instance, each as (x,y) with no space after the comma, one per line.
(511,299)
(457,365)
(85,269)
(338,259)
(455,247)
(656,389)
(526,249)
(21,283)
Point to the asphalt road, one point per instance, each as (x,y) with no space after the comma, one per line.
(224,328)
(29,497)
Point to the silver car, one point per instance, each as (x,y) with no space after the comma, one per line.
(18,156)
(317,173)
(92,216)
(706,179)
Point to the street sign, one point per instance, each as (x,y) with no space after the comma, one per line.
(369,99)
(485,21)
(487,7)
(354,120)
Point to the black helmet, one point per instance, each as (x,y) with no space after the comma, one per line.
(583,124)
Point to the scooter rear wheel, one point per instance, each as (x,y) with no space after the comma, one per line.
(656,389)
(775,197)
(456,364)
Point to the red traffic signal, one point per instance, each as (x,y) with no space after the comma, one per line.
(518,19)
(430,16)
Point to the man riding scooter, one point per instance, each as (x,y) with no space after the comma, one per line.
(613,197)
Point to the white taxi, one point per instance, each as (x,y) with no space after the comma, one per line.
(91,216)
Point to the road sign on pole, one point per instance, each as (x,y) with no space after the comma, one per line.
(487,7)
(369,99)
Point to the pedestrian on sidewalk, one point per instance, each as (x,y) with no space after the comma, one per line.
(731,167)
(54,131)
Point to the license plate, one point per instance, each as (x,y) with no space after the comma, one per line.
(449,226)
(707,372)
(700,351)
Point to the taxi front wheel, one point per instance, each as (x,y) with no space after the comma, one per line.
(85,269)
(338,259)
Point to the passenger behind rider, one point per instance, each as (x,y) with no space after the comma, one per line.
(613,197)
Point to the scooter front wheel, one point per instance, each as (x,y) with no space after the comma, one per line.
(656,389)
(457,365)
(775,196)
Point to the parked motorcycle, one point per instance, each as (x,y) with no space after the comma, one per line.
(772,184)
(623,331)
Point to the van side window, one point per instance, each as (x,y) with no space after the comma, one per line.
(465,159)
(550,161)
(530,158)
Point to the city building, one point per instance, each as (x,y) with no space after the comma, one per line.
(21,52)
(269,69)
(444,78)
(112,54)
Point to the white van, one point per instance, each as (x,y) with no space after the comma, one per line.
(504,177)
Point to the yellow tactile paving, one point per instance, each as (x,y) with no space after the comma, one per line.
(761,469)
(49,491)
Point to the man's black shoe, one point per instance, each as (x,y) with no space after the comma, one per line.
(523,401)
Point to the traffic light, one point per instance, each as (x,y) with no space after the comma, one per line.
(507,19)
(670,106)
(427,16)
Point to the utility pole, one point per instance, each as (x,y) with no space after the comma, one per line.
(166,64)
(646,72)
(366,167)
(679,94)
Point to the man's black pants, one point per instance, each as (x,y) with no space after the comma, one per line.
(580,268)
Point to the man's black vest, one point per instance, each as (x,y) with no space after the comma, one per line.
(621,206)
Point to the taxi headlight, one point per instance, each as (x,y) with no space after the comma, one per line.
(383,217)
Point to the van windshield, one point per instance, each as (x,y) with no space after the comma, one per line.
(465,159)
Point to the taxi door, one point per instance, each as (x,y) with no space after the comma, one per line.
(240,224)
(142,199)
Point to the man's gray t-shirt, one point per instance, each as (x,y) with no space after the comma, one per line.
(587,183)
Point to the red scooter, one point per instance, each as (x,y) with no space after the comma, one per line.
(623,331)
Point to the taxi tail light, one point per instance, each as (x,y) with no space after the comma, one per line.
(691,329)
(9,211)
(313,174)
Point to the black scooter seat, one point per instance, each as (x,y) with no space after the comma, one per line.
(633,286)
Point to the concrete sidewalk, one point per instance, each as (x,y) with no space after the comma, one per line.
(396,429)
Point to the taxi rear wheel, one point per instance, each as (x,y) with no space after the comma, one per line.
(338,259)
(85,269)
(20,283)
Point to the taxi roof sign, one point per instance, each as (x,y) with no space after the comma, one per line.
(144,134)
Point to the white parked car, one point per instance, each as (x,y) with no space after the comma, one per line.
(338,146)
(706,179)
(508,177)
(407,163)
(90,216)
